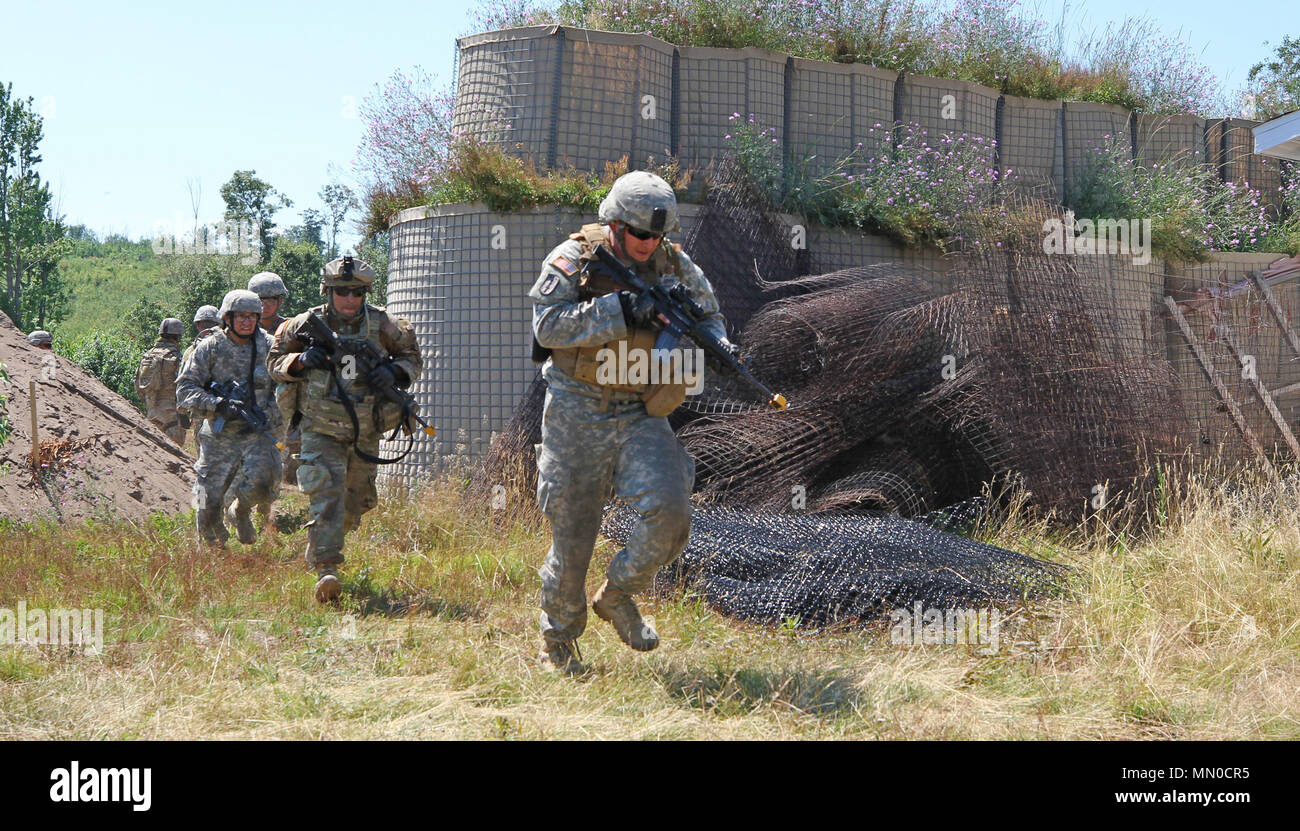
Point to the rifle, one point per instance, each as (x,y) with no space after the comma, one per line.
(251,414)
(318,333)
(681,317)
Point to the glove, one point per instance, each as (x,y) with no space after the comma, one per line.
(718,365)
(183,420)
(381,377)
(228,409)
(315,358)
(638,310)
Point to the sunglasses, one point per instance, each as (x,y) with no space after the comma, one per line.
(358,291)
(643,235)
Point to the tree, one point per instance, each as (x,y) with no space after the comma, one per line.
(374,250)
(339,201)
(141,322)
(249,199)
(299,263)
(30,235)
(1276,83)
(310,231)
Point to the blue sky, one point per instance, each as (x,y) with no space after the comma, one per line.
(141,96)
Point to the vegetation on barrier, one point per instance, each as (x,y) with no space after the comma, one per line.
(996,43)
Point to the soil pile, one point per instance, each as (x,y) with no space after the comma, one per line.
(99,455)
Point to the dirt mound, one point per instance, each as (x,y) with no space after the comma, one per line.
(99,455)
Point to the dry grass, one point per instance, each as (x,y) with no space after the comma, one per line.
(436,639)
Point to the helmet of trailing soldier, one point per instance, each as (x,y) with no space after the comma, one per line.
(209,315)
(345,281)
(41,339)
(644,205)
(268,286)
(236,302)
(171,328)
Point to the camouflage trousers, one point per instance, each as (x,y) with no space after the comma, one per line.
(340,487)
(233,465)
(585,456)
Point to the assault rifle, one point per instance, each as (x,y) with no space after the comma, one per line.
(681,317)
(317,332)
(251,414)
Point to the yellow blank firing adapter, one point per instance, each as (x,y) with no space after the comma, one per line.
(778,401)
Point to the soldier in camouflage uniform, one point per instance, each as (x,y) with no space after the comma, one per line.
(332,470)
(601,437)
(238,461)
(268,286)
(206,320)
(155,380)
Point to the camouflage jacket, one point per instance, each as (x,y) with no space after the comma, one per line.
(155,379)
(563,318)
(317,400)
(219,358)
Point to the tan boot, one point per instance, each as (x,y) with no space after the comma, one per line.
(241,517)
(561,656)
(328,587)
(617,607)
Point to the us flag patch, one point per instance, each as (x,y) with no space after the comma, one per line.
(569,267)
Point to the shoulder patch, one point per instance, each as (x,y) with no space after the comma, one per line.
(549,284)
(563,263)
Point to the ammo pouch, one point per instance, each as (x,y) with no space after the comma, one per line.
(583,363)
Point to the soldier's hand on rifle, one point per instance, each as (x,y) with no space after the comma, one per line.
(385,376)
(719,366)
(315,358)
(638,310)
(228,409)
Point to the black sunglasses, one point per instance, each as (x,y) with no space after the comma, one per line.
(643,235)
(358,291)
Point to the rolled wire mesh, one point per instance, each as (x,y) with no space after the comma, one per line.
(821,570)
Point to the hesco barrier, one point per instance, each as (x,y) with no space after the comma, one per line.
(461,274)
(576,96)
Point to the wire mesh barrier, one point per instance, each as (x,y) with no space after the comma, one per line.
(839,570)
(1045,369)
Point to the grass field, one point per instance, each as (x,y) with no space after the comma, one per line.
(1193,632)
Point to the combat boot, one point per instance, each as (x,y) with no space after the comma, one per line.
(617,607)
(328,587)
(561,656)
(240,516)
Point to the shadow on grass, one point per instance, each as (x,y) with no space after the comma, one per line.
(741,691)
(373,601)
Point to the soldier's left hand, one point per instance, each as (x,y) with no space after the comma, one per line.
(383,376)
(720,366)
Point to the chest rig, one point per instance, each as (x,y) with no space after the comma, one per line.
(321,407)
(583,362)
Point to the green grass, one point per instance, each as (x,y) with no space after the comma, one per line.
(435,638)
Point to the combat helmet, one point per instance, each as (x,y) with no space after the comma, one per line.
(267,284)
(40,337)
(345,272)
(643,200)
(208,314)
(171,328)
(240,300)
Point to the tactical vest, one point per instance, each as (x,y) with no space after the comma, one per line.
(582,362)
(318,400)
